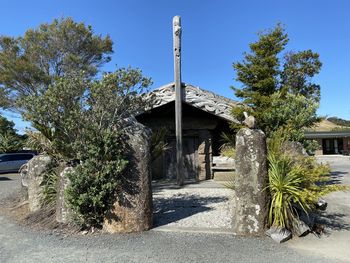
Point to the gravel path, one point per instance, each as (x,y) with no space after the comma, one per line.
(9,183)
(18,245)
(205,205)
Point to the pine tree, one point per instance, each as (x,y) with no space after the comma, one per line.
(265,71)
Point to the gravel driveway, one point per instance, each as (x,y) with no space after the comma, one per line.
(18,244)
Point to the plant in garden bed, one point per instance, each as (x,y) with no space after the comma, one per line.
(158,142)
(89,126)
(294,184)
(228,147)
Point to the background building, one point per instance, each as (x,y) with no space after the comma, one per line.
(332,138)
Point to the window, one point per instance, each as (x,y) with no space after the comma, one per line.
(16,157)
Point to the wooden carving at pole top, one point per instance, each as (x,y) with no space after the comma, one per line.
(177,36)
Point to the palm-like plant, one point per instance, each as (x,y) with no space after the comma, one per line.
(158,143)
(286,191)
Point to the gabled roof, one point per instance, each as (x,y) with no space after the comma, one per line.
(196,97)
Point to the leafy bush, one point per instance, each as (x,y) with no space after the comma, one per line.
(79,112)
(95,180)
(91,193)
(85,122)
(40,143)
(227,149)
(10,142)
(158,143)
(49,185)
(294,183)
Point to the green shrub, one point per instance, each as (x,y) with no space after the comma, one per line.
(10,142)
(294,183)
(158,143)
(229,152)
(227,149)
(95,181)
(85,122)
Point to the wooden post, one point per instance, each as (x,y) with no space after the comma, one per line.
(178,98)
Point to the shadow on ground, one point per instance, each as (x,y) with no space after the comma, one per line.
(168,210)
(3,178)
(334,221)
(336,177)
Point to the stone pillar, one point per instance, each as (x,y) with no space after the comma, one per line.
(63,213)
(204,155)
(133,209)
(250,181)
(37,166)
(24,181)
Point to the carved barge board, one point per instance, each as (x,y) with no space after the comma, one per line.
(196,97)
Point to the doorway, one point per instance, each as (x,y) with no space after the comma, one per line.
(332,146)
(190,157)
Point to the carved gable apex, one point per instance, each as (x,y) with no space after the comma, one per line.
(196,97)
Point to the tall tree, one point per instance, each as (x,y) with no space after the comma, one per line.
(29,64)
(268,76)
(298,70)
(10,141)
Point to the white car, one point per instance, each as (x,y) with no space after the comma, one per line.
(12,162)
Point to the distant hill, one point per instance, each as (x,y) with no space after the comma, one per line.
(339,121)
(325,126)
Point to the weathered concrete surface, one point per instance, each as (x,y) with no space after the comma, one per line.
(36,168)
(250,181)
(132,212)
(63,213)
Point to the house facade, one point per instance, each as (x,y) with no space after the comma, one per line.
(331,138)
(205,116)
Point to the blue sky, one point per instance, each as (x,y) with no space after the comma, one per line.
(215,34)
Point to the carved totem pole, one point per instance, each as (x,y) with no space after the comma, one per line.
(178,98)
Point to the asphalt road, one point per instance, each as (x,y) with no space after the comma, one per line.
(18,244)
